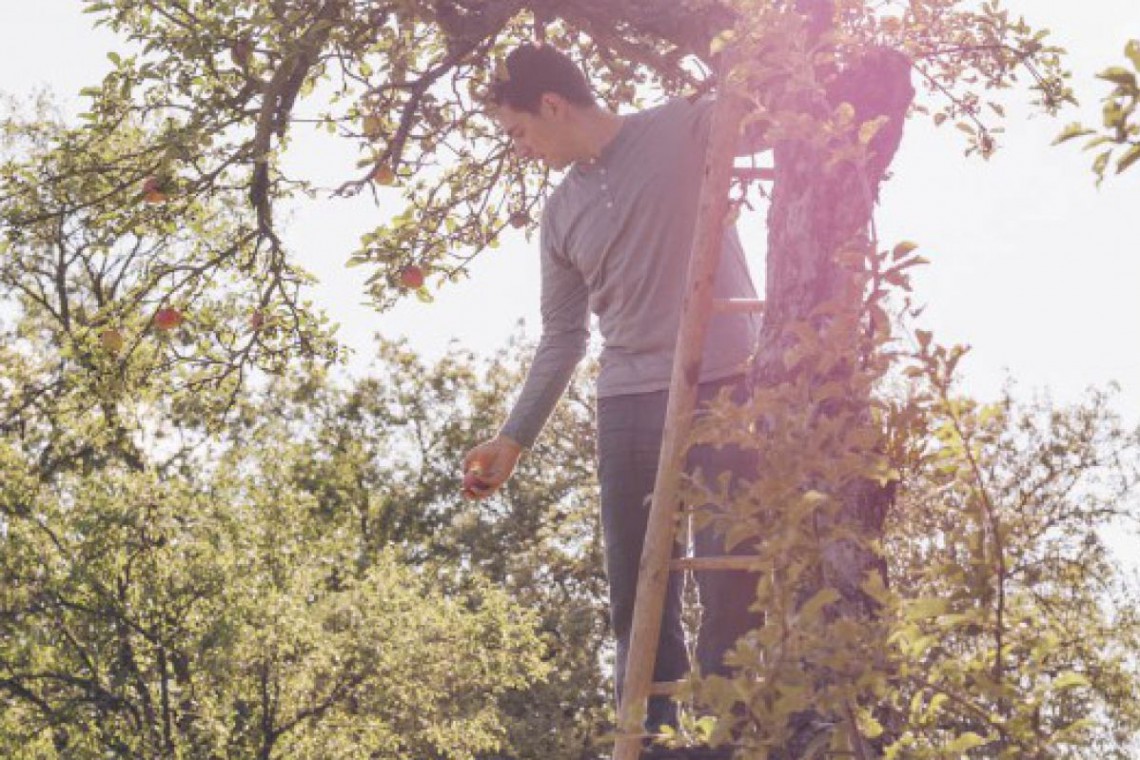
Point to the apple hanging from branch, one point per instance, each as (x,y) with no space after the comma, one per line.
(384,175)
(167,318)
(154,190)
(112,340)
(412,277)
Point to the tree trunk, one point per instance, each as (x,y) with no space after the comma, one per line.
(816,212)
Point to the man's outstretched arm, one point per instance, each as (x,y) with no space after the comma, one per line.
(565,335)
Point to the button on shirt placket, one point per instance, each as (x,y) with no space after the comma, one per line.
(606,224)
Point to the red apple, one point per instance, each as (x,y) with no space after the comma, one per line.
(473,485)
(257,320)
(153,190)
(383,175)
(412,277)
(167,318)
(519,219)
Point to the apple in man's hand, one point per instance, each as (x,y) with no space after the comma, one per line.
(473,485)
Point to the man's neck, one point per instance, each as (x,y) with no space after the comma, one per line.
(599,128)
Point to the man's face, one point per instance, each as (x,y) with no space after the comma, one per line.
(541,136)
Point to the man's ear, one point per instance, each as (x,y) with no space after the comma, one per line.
(553,105)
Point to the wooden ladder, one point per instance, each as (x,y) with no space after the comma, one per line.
(656,557)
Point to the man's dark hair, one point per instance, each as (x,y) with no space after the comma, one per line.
(532,70)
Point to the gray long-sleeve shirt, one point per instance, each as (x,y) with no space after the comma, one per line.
(615,240)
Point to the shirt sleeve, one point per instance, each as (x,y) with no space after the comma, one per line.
(565,335)
(697,112)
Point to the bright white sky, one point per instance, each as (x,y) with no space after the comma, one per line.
(1032,265)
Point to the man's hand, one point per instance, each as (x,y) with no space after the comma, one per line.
(487,466)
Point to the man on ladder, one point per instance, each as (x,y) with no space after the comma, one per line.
(616,237)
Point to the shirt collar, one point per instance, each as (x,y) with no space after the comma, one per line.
(609,150)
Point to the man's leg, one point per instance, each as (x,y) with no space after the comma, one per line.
(629,444)
(725,595)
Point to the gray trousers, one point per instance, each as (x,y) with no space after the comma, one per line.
(629,442)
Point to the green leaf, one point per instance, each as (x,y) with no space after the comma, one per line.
(870,728)
(964,743)
(1071,131)
(1101,162)
(929,607)
(1096,142)
(721,41)
(1119,75)
(869,129)
(814,606)
(903,248)
(1069,680)
(1131,156)
(935,705)
(1132,50)
(1113,114)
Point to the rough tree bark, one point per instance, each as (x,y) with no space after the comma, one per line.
(818,209)
(815,212)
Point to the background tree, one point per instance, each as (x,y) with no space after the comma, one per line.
(379,459)
(161,596)
(1015,640)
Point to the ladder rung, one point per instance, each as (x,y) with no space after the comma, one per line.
(665,688)
(751,173)
(737,305)
(735,562)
